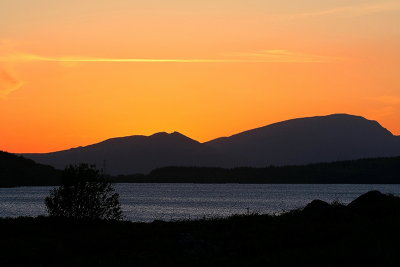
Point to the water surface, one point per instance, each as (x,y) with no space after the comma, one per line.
(148,202)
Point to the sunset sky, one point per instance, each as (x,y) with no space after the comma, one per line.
(77,72)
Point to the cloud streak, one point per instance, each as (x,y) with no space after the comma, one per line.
(264,56)
(350,10)
(387,99)
(285,56)
(8,83)
(20,57)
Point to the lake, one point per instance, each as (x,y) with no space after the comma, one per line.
(148,202)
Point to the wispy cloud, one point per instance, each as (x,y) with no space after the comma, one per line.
(23,57)
(349,10)
(387,99)
(8,83)
(388,106)
(264,56)
(383,112)
(285,56)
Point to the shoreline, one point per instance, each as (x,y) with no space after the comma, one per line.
(361,233)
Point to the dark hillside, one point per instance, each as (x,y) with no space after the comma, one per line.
(335,137)
(19,171)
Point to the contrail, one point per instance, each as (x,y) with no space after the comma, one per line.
(9,83)
(32,57)
(266,56)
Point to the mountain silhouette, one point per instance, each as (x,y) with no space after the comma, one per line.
(293,142)
(310,140)
(136,154)
(19,171)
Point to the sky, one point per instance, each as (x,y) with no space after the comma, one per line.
(73,73)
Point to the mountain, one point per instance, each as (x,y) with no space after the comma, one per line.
(19,171)
(310,140)
(136,154)
(293,142)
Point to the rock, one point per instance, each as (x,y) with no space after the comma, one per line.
(316,207)
(375,203)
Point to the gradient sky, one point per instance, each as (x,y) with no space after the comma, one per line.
(77,72)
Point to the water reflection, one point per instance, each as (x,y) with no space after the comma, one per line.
(147,202)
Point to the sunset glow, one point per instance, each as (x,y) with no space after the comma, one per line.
(73,73)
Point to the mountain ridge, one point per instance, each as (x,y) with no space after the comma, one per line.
(302,118)
(292,142)
(310,140)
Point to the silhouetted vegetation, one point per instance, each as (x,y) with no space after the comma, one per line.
(363,171)
(84,194)
(19,171)
(363,233)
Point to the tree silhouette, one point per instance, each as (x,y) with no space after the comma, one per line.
(84,194)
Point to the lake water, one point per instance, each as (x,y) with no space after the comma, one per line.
(148,202)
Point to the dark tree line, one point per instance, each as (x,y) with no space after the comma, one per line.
(363,171)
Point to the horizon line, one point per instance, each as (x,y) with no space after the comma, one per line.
(175,131)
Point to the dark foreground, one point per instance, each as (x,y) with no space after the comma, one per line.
(364,233)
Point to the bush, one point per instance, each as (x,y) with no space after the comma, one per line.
(84,194)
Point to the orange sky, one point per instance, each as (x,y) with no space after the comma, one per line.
(74,73)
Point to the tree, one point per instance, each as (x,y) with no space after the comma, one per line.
(84,193)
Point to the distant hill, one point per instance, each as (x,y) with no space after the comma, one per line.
(137,154)
(329,138)
(310,140)
(19,171)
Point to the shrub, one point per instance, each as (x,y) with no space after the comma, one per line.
(85,193)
